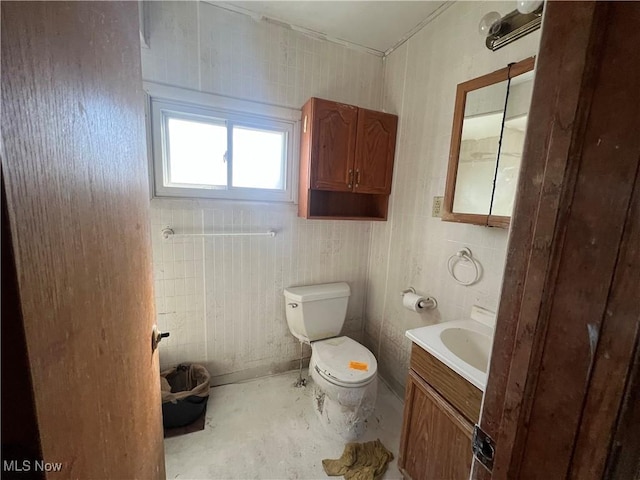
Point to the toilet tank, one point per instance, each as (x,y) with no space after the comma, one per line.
(315,312)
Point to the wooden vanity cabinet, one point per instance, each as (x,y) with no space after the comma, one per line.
(346,161)
(437,440)
(439,412)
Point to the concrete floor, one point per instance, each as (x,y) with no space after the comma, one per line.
(267,429)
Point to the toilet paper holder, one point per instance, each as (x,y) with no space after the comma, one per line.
(428,302)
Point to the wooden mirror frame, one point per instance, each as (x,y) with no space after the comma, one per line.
(498,76)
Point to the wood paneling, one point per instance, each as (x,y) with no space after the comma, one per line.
(567,322)
(75,168)
(333,145)
(375,149)
(460,393)
(436,439)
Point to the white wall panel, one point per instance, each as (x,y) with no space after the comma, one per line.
(221,299)
(412,248)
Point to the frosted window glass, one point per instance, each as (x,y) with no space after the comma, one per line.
(258,158)
(197,153)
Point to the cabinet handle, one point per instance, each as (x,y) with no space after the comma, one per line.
(357,177)
(304,130)
(350,178)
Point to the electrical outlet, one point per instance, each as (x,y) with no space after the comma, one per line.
(436,209)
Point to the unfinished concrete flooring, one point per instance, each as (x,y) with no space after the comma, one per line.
(267,429)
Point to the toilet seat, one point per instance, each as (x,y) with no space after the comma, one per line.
(344,362)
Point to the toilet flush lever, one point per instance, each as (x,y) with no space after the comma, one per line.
(293,305)
(156,337)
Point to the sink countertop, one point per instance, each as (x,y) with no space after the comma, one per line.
(429,339)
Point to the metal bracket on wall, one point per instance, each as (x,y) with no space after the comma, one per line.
(484,447)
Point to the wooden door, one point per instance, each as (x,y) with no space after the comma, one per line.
(569,320)
(436,440)
(74,167)
(375,150)
(333,139)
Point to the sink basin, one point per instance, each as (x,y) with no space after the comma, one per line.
(462,345)
(470,346)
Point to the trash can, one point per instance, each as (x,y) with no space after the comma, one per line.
(185,391)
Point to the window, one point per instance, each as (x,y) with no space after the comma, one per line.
(211,151)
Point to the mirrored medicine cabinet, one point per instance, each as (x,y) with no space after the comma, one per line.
(489,125)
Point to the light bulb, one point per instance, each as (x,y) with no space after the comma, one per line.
(528,6)
(489,24)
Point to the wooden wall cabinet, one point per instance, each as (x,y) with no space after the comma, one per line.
(439,412)
(346,161)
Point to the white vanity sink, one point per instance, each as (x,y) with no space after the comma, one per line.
(462,345)
(470,346)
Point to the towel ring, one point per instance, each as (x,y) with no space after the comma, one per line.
(466,256)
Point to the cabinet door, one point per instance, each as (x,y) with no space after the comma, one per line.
(375,148)
(436,439)
(333,145)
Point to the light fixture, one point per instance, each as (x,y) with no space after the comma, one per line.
(500,31)
(489,24)
(528,6)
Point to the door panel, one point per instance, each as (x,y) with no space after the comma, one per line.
(74,163)
(375,148)
(333,145)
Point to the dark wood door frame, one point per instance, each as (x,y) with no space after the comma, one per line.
(569,316)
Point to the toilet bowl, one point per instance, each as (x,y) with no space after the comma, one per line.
(344,372)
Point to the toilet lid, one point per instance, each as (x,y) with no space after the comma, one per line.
(345,360)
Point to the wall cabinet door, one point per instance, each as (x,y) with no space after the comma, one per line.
(375,148)
(436,439)
(333,133)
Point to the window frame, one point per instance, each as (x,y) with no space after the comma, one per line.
(164,102)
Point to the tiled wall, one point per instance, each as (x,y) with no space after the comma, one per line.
(412,247)
(221,298)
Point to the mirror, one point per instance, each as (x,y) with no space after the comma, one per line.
(486,146)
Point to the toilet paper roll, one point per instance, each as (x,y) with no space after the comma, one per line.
(412,302)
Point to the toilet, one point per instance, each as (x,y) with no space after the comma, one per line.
(344,372)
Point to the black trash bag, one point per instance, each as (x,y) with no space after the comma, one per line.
(185,391)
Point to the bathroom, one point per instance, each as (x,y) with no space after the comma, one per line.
(223,269)
(221,298)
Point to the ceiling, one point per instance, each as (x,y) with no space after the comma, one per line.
(376,25)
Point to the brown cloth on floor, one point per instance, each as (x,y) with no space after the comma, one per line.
(360,461)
